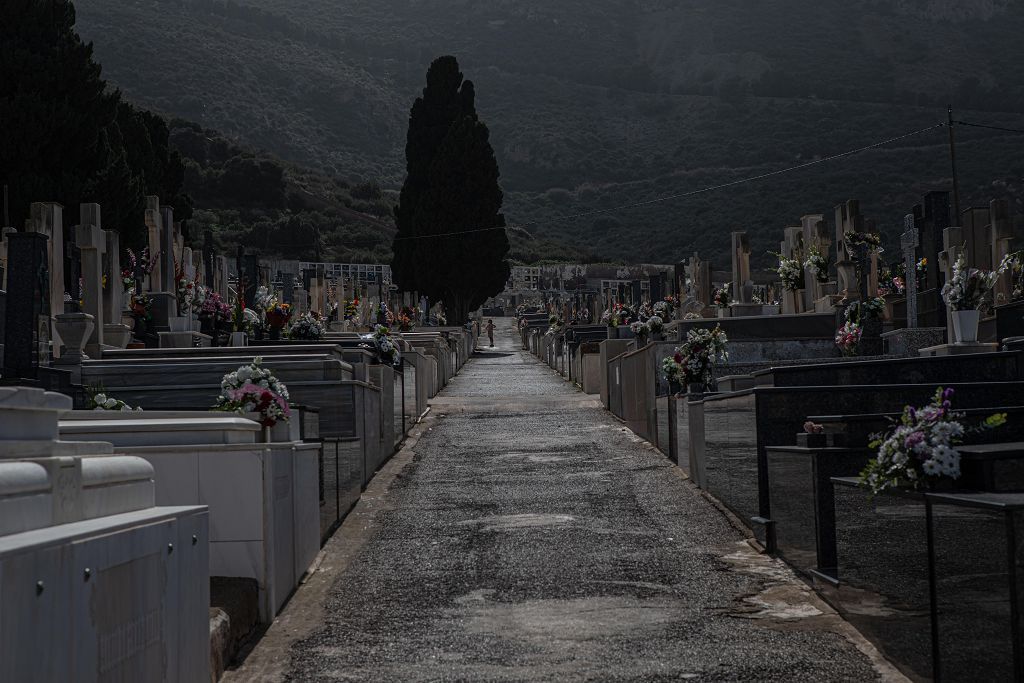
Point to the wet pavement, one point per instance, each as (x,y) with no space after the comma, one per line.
(527,536)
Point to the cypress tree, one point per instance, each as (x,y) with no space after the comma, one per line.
(451,186)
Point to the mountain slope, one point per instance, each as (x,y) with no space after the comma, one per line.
(597,104)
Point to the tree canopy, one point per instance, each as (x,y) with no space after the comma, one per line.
(68,138)
(451,186)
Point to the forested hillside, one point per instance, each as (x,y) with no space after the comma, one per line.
(596,104)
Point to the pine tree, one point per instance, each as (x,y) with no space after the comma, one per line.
(451,186)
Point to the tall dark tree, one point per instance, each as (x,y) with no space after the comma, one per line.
(66,137)
(54,107)
(451,186)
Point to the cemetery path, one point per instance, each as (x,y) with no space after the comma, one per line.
(525,535)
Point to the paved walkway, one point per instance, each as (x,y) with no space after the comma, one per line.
(526,536)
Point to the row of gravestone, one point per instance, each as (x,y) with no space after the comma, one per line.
(55,286)
(929,237)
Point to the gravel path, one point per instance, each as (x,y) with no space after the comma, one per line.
(532,538)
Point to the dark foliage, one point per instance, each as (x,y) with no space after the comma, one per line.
(65,136)
(451,187)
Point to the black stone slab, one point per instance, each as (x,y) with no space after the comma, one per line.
(27,315)
(736,457)
(803,509)
(802,326)
(1010,320)
(883,589)
(981,367)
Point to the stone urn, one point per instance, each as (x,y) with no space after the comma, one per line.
(965,326)
(117,335)
(74,329)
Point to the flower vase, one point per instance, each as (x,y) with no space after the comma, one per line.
(613,332)
(239,339)
(139,327)
(965,326)
(274,333)
(657,336)
(674,388)
(723,312)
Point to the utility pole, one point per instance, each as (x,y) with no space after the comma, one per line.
(952,159)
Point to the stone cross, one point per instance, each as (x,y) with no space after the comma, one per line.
(92,243)
(848,219)
(742,286)
(909,241)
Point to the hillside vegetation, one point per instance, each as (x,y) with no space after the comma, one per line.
(593,105)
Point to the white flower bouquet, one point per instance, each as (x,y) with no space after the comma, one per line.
(254,389)
(309,325)
(921,447)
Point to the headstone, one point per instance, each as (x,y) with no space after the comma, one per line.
(637,292)
(250,274)
(92,243)
(167,253)
(48,219)
(220,278)
(27,318)
(848,219)
(975,230)
(952,242)
(287,287)
(742,285)
(1000,234)
(154,229)
(909,241)
(4,232)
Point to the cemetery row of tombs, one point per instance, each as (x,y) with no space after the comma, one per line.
(176,438)
(821,429)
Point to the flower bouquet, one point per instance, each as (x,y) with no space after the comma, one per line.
(277,315)
(848,338)
(98,400)
(920,449)
(308,326)
(722,297)
(968,292)
(656,324)
(694,362)
(791,273)
(816,264)
(352,309)
(143,263)
(872,240)
(384,344)
(254,389)
(665,308)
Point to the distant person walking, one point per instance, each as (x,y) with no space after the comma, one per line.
(490,330)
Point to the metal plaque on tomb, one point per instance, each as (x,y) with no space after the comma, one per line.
(27,318)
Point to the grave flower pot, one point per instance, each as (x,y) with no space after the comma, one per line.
(74,329)
(723,312)
(178,323)
(239,339)
(274,333)
(657,336)
(965,326)
(613,332)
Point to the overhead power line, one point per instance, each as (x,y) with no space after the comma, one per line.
(521,227)
(982,125)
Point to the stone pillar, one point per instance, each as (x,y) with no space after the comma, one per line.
(220,278)
(93,245)
(909,242)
